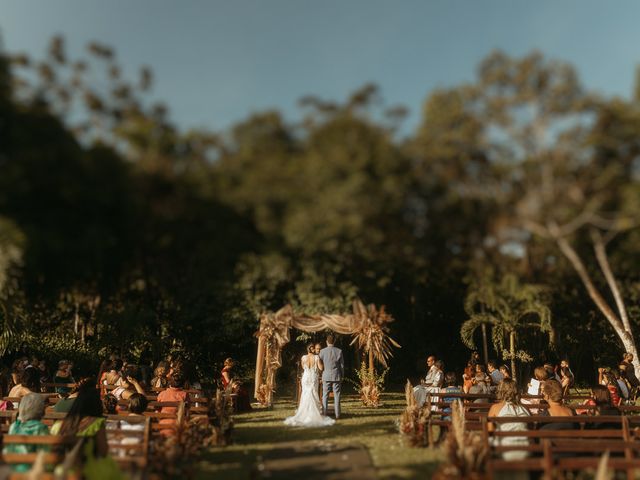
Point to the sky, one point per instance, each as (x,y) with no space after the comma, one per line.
(216,62)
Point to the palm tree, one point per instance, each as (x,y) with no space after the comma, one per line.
(508,307)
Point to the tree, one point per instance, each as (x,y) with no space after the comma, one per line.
(509,308)
(559,163)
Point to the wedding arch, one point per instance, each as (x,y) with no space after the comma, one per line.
(367,324)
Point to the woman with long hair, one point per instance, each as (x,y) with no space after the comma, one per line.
(509,406)
(85,419)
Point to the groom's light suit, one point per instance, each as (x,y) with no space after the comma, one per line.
(332,377)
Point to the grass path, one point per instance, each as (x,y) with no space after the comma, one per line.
(259,432)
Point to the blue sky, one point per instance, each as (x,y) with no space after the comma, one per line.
(217,61)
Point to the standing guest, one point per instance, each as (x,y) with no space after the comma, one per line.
(29,422)
(567,379)
(159,379)
(63,375)
(630,371)
(509,406)
(494,373)
(316,348)
(29,382)
(175,393)
(431,383)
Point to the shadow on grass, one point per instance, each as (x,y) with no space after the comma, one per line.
(273,434)
(410,471)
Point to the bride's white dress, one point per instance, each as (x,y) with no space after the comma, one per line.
(309,412)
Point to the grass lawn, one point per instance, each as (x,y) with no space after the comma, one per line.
(259,431)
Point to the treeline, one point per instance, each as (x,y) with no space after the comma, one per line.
(119,230)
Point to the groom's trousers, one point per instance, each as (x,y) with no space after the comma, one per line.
(335,388)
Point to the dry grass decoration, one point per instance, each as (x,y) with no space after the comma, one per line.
(414,422)
(171,455)
(466,452)
(373,340)
(220,416)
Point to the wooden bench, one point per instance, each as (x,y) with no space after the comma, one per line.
(130,448)
(51,458)
(557,451)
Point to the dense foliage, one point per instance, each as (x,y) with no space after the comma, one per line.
(119,229)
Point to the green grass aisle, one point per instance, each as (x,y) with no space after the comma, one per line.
(260,431)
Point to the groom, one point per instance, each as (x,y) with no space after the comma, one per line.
(331,375)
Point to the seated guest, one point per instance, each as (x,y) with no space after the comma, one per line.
(551,371)
(623,386)
(129,385)
(64,404)
(505,371)
(29,422)
(44,374)
(552,394)
(606,378)
(540,375)
(110,404)
(105,368)
(17,367)
(431,383)
(174,393)
(467,377)
(450,386)
(159,379)
(85,419)
(114,375)
(63,375)
(29,382)
(494,373)
(480,386)
(509,406)
(601,398)
(137,406)
(242,400)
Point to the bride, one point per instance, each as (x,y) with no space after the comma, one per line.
(309,413)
